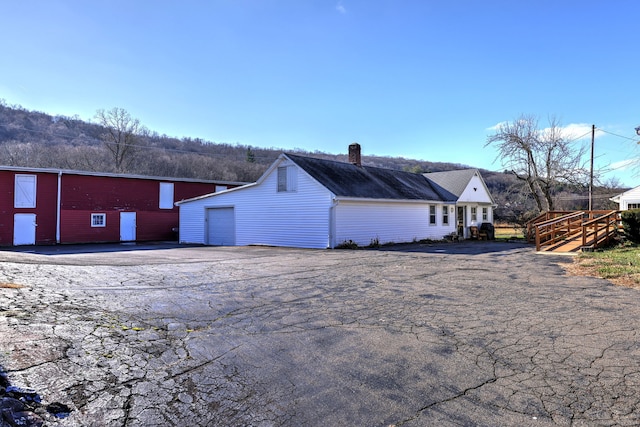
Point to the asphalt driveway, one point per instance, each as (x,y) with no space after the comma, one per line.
(472,333)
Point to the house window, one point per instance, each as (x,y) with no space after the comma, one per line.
(445,215)
(98,220)
(432,215)
(24,195)
(287,179)
(633,206)
(474,213)
(485,214)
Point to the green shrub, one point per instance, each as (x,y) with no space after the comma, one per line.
(631,224)
(375,243)
(347,244)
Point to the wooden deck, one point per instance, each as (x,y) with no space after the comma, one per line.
(571,232)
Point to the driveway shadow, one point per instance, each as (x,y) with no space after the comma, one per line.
(90,248)
(467,247)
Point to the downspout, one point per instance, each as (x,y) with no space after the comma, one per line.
(58,204)
(332,224)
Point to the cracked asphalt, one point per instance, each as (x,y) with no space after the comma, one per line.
(459,334)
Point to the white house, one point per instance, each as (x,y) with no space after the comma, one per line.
(474,204)
(314,203)
(630,199)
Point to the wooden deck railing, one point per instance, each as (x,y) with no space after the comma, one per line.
(599,231)
(557,229)
(595,228)
(544,216)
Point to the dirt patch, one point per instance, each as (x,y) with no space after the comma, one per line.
(579,268)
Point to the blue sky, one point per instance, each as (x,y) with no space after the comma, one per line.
(419,79)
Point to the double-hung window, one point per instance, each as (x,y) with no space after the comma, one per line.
(432,215)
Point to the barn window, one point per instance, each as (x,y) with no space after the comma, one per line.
(98,220)
(166,195)
(24,195)
(432,215)
(287,179)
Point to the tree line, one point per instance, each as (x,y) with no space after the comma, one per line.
(116,142)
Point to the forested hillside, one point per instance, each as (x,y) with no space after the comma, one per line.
(35,139)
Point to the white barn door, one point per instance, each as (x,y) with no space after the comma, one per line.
(221,227)
(127,226)
(24,229)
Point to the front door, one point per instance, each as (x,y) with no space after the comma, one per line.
(127,226)
(24,229)
(460,221)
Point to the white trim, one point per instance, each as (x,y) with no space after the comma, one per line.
(102,223)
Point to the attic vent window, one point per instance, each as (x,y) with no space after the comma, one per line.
(287,179)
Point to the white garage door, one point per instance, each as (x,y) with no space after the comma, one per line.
(221,227)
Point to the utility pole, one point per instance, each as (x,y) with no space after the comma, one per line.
(593,137)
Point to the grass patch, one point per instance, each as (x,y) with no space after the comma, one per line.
(619,264)
(506,233)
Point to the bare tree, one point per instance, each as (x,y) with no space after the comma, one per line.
(542,159)
(120,136)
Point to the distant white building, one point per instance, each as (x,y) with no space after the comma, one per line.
(313,203)
(630,199)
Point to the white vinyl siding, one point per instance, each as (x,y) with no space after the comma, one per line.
(293,218)
(629,199)
(166,195)
(386,222)
(25,191)
(475,192)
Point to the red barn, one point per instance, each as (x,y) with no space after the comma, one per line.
(49,206)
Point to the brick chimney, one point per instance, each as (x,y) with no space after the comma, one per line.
(354,154)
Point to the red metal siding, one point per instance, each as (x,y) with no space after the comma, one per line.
(75,227)
(45,210)
(188,190)
(83,192)
(82,195)
(156,226)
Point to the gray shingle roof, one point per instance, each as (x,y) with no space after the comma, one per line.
(348,180)
(455,181)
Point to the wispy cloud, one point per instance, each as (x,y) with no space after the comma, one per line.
(577,131)
(340,8)
(625,164)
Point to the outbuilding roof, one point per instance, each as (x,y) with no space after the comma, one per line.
(366,182)
(455,181)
